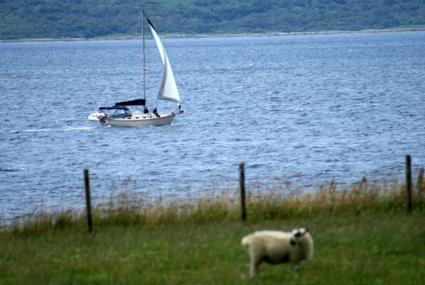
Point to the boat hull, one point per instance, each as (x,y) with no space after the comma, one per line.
(137,121)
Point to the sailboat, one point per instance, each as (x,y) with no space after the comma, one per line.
(120,115)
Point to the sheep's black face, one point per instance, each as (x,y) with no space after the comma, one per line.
(297,234)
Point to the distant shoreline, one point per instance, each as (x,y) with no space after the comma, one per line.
(186,36)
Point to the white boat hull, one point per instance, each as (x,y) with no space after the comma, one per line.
(138,121)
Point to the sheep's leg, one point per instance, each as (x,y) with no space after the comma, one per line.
(296,270)
(254,269)
(256,260)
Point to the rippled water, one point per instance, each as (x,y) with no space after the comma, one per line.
(311,108)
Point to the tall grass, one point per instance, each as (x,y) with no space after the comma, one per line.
(276,202)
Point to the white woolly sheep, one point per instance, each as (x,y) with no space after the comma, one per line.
(275,247)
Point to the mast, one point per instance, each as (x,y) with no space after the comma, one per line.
(144,61)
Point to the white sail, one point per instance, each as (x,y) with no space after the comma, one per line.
(168,90)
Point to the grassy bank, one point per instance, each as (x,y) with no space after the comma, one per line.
(362,235)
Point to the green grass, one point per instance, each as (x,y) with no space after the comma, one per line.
(365,249)
(362,235)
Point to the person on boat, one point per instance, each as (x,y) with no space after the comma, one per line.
(146,110)
(155,111)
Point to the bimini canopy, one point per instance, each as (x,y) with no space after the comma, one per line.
(136,102)
(114,108)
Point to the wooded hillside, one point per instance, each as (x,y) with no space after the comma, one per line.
(94,18)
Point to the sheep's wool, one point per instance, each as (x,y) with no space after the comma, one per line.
(279,247)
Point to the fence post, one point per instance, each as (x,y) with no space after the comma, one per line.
(88,200)
(242,188)
(408,184)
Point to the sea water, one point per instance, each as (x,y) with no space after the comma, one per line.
(304,108)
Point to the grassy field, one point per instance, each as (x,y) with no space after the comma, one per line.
(362,235)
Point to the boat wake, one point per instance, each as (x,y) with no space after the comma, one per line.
(2,169)
(85,128)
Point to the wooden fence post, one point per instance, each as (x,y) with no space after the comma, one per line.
(88,200)
(242,188)
(408,184)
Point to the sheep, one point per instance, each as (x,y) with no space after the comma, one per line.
(276,247)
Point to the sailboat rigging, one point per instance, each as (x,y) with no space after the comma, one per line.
(120,114)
